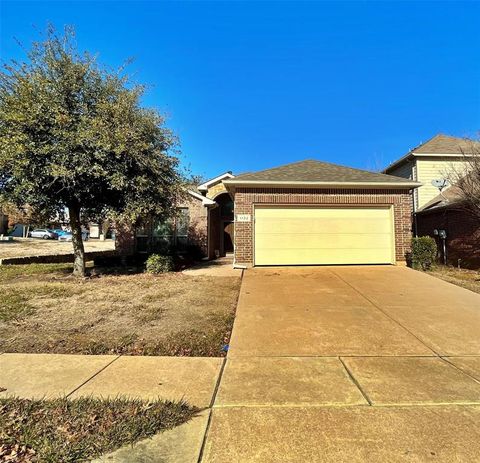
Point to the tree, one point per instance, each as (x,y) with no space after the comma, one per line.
(467,179)
(73,136)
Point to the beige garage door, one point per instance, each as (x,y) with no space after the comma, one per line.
(304,236)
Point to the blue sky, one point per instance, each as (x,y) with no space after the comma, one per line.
(252,85)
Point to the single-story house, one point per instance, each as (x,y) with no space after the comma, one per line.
(462,229)
(304,213)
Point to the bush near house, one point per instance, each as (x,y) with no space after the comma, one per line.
(424,252)
(157,263)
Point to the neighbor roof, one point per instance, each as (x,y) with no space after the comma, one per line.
(444,144)
(439,145)
(449,197)
(317,173)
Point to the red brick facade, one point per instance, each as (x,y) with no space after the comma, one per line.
(463,234)
(247,198)
(198,224)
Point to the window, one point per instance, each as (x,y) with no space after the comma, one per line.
(159,236)
(163,233)
(182,222)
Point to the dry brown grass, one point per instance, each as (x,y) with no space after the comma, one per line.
(43,309)
(67,431)
(22,247)
(469,279)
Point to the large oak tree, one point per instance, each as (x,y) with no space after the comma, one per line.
(74,136)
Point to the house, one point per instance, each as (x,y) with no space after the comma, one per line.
(435,159)
(313,212)
(304,213)
(462,229)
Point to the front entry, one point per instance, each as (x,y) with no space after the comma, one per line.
(228,231)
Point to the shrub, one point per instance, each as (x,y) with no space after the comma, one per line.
(195,252)
(424,252)
(156,263)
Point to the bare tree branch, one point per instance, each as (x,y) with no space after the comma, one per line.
(467,179)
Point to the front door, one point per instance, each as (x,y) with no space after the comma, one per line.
(228,230)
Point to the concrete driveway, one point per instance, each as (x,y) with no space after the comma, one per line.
(333,364)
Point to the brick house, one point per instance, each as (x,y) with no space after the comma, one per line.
(312,212)
(462,243)
(305,213)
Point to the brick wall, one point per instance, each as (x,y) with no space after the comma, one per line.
(463,235)
(247,198)
(198,225)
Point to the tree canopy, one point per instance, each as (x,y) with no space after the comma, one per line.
(73,135)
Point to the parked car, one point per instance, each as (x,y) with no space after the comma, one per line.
(43,233)
(67,236)
(60,232)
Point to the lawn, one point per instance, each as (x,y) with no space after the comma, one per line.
(44,309)
(62,430)
(469,279)
(22,247)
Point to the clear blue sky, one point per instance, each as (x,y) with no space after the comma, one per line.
(253,85)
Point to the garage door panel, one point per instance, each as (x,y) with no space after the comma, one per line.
(323,241)
(319,225)
(309,235)
(320,257)
(328,212)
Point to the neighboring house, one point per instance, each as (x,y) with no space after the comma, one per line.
(305,213)
(432,160)
(445,212)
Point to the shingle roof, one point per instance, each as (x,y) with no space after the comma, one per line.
(312,171)
(450,196)
(438,145)
(444,144)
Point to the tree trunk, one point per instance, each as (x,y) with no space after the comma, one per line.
(78,250)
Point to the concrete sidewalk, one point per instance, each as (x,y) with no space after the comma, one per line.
(193,379)
(221,267)
(53,375)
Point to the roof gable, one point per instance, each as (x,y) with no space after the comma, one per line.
(213,181)
(317,172)
(205,201)
(439,145)
(444,144)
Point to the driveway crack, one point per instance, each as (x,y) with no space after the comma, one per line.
(354,380)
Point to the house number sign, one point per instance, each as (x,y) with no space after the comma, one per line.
(244,218)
